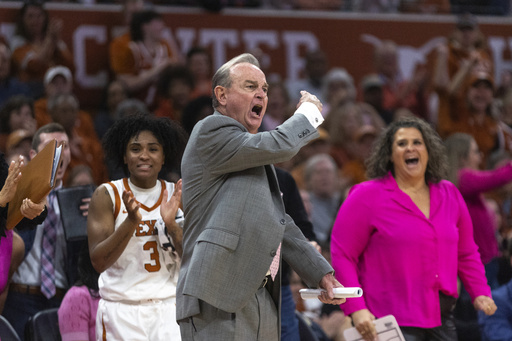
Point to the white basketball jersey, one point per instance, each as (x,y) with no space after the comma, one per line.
(144,270)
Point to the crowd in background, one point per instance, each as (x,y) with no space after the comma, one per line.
(459,95)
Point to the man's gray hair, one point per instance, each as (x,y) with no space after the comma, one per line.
(223,75)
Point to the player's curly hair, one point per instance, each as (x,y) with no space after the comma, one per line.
(169,134)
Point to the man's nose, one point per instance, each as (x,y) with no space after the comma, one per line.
(260,93)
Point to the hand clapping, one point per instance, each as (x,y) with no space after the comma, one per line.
(11,183)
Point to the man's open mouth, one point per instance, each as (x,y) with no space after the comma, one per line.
(257,109)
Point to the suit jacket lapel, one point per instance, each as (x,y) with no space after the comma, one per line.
(274,186)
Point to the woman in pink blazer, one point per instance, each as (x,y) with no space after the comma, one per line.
(405,236)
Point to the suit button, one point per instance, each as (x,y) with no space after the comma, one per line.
(300,136)
(282,221)
(273,253)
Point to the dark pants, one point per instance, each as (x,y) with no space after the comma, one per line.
(491,272)
(289,321)
(20,307)
(445,332)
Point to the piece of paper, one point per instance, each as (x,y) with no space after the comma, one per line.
(338,293)
(387,330)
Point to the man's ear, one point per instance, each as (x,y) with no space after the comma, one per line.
(220,94)
(32,153)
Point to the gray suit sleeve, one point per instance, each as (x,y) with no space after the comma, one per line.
(225,146)
(305,260)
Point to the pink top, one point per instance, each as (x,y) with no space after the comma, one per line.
(5,258)
(472,185)
(77,315)
(384,244)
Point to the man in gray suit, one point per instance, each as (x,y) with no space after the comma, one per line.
(235,221)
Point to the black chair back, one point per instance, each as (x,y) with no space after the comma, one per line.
(7,332)
(43,326)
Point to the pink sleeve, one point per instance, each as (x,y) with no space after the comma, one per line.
(75,314)
(474,182)
(350,235)
(470,268)
(5,258)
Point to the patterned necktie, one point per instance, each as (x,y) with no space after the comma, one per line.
(48,249)
(274,267)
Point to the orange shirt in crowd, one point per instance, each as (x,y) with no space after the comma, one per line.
(28,69)
(131,58)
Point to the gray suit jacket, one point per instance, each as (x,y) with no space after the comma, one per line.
(235,216)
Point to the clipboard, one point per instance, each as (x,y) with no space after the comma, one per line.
(387,330)
(74,223)
(37,180)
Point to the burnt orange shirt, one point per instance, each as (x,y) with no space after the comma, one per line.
(29,69)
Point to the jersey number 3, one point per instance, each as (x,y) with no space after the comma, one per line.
(154,256)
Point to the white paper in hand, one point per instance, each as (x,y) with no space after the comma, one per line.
(338,293)
(387,330)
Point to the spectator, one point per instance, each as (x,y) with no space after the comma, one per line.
(19,143)
(196,110)
(16,113)
(465,159)
(115,94)
(9,85)
(199,62)
(498,327)
(59,81)
(344,124)
(397,91)
(464,53)
(471,112)
(175,86)
(80,175)
(85,149)
(140,63)
(320,145)
(339,89)
(36,287)
(122,37)
(322,183)
(131,106)
(77,312)
(38,45)
(123,32)
(372,93)
(315,69)
(354,170)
